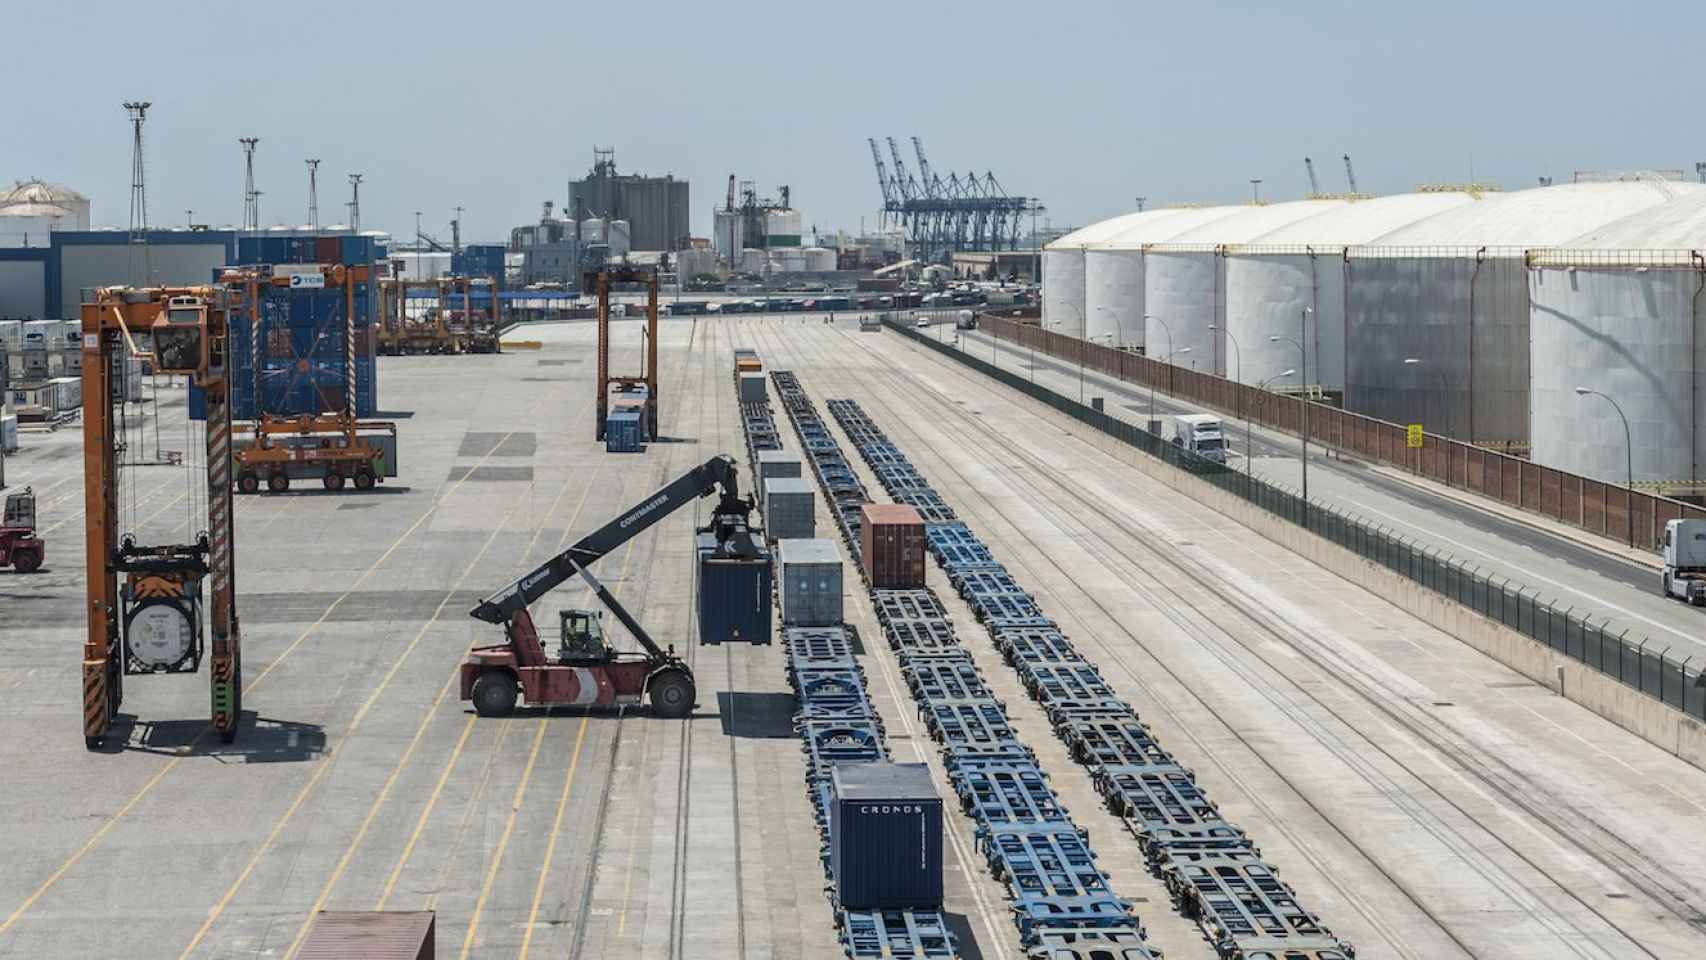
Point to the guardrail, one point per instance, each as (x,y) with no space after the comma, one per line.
(1640,664)
(1606,509)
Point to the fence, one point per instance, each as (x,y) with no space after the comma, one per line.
(1639,665)
(1609,510)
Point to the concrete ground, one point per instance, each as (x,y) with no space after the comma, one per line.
(359,780)
(1569,568)
(1423,799)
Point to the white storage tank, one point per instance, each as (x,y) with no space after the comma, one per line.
(782,228)
(754,261)
(820,259)
(593,230)
(621,237)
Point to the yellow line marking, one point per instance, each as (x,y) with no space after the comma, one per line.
(503,840)
(432,801)
(426,812)
(475,801)
(551,844)
(326,762)
(90,845)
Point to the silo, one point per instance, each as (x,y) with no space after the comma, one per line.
(1452,292)
(1622,311)
(1063,274)
(820,259)
(592,230)
(1114,304)
(1185,279)
(1270,280)
(621,237)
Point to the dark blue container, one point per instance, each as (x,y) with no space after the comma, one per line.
(734,591)
(885,836)
(622,433)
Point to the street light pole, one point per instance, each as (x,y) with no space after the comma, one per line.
(1154,422)
(1237,376)
(1302,400)
(1629,453)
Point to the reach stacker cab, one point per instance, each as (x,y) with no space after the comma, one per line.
(20,548)
(585,670)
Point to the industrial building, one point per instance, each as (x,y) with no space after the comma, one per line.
(46,283)
(1475,312)
(656,207)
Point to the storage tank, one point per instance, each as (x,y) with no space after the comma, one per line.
(820,259)
(754,261)
(1114,306)
(782,228)
(728,234)
(592,230)
(1630,324)
(1452,291)
(1271,279)
(621,237)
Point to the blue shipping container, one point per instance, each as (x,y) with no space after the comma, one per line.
(622,432)
(734,592)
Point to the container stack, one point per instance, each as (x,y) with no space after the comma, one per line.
(304,355)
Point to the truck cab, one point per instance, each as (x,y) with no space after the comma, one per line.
(1201,434)
(1684,574)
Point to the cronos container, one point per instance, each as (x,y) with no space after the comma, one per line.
(885,829)
(789,509)
(370,935)
(811,582)
(734,591)
(892,539)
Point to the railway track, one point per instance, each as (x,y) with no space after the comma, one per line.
(1146,548)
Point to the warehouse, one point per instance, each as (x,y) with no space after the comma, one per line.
(1419,308)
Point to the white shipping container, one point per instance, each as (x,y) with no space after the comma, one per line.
(9,433)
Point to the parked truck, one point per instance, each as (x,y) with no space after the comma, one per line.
(1685,561)
(1201,434)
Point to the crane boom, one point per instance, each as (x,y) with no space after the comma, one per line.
(1314,187)
(1350,174)
(719,472)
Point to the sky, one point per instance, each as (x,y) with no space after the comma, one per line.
(1085,105)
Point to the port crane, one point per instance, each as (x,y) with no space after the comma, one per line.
(154,623)
(586,671)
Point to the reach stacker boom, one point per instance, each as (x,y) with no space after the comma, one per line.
(585,671)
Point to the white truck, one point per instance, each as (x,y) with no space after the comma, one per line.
(1202,434)
(1685,561)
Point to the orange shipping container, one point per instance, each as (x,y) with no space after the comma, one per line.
(892,539)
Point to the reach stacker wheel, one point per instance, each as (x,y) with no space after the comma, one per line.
(494,694)
(26,561)
(248,483)
(278,483)
(672,694)
(333,481)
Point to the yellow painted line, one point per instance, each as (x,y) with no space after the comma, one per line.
(426,812)
(373,811)
(90,845)
(475,802)
(503,840)
(432,801)
(355,722)
(551,844)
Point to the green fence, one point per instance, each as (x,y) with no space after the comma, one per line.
(1637,662)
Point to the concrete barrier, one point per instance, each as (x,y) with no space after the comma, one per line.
(1663,726)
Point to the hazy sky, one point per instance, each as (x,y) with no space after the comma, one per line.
(496,105)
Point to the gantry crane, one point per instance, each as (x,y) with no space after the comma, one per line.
(154,623)
(601,281)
